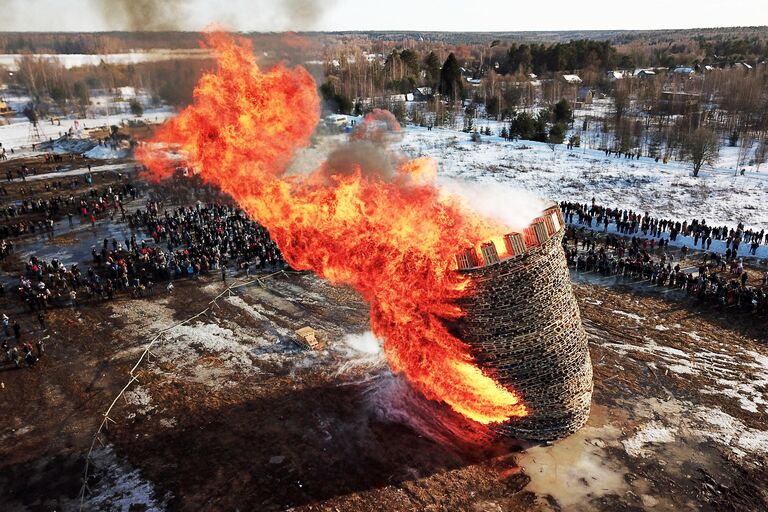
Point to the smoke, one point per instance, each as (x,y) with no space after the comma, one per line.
(366,150)
(365,343)
(389,398)
(376,126)
(502,202)
(305,12)
(246,15)
(140,15)
(360,354)
(369,158)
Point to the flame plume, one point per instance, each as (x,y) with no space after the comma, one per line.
(392,238)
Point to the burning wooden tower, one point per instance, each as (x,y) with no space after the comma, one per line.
(524,328)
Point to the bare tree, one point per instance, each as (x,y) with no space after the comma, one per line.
(761,153)
(746,145)
(701,146)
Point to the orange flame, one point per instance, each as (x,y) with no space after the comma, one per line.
(391,238)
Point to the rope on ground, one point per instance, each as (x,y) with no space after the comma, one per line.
(103,425)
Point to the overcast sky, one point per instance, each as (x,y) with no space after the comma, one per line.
(424,15)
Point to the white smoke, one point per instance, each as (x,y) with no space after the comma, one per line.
(389,398)
(513,207)
(359,351)
(365,344)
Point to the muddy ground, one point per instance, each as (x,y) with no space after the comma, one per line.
(231,413)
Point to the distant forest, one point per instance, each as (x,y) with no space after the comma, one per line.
(659,46)
(664,94)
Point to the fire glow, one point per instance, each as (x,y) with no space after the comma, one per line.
(391,238)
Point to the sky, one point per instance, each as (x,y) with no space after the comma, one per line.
(443,15)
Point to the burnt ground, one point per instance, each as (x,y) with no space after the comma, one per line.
(231,413)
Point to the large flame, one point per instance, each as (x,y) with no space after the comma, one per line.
(392,238)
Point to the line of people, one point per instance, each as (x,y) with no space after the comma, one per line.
(630,222)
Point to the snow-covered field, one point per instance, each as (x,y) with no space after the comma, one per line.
(668,190)
(17,134)
(10,60)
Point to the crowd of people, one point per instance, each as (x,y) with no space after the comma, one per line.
(718,280)
(35,216)
(630,222)
(183,242)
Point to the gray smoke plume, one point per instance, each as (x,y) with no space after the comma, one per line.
(305,12)
(367,148)
(154,15)
(141,15)
(370,158)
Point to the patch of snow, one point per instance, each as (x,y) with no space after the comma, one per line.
(729,431)
(140,399)
(121,488)
(238,302)
(106,153)
(184,343)
(168,423)
(650,433)
(628,315)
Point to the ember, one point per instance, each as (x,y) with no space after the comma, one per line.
(392,238)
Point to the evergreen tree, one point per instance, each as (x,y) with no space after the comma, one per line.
(136,108)
(523,126)
(411,60)
(450,79)
(556,134)
(469,124)
(432,69)
(655,145)
(399,111)
(563,112)
(334,101)
(540,126)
